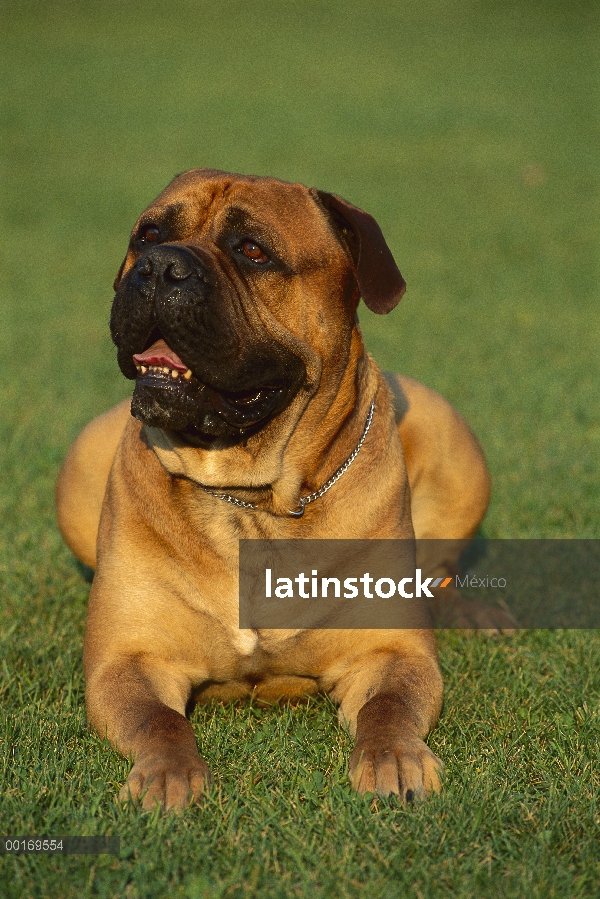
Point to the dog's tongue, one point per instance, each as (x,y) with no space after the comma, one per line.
(160,353)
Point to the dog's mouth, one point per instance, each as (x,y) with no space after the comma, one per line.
(169,395)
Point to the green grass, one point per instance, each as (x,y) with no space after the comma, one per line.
(469,129)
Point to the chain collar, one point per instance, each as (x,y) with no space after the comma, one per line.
(305,500)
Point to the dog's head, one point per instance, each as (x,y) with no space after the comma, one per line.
(238,293)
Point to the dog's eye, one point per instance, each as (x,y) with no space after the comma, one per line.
(150,234)
(252,251)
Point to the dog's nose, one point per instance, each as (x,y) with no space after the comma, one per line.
(177,271)
(168,264)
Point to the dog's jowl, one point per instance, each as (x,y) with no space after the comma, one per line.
(235,316)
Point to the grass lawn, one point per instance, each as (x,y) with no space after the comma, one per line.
(469,129)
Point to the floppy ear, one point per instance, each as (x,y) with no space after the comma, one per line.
(379,280)
(380,283)
(117,280)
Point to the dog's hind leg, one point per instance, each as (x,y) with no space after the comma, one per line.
(448,476)
(450,490)
(82,481)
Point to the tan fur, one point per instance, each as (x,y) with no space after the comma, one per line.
(162,628)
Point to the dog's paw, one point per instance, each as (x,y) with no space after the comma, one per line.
(451,610)
(407,768)
(171,781)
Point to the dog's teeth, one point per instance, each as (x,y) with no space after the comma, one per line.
(143,369)
(187,374)
(166,370)
(174,374)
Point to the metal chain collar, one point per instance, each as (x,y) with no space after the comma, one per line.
(305,500)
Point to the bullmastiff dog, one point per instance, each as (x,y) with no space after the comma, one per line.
(235,315)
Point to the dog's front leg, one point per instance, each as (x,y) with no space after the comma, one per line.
(124,703)
(391,702)
(390,757)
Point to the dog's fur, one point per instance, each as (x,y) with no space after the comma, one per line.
(162,628)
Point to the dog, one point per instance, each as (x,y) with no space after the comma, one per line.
(235,314)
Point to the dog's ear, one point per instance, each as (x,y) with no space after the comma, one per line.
(117,280)
(380,283)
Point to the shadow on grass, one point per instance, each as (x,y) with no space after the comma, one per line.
(85,571)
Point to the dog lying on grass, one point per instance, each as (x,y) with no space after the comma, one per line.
(235,315)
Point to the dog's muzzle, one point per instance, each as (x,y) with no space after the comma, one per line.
(201,368)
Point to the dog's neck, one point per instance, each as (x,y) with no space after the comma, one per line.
(294,456)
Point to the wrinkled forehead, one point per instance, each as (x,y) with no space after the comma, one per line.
(207,202)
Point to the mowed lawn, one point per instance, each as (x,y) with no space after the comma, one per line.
(469,130)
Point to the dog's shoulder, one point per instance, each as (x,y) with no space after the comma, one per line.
(398,397)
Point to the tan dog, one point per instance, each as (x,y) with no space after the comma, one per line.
(235,311)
